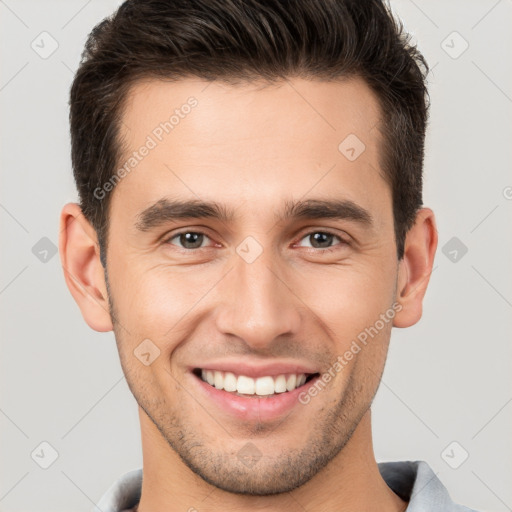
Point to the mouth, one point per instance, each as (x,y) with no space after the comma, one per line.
(266,386)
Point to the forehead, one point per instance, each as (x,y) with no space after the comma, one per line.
(336,106)
(251,142)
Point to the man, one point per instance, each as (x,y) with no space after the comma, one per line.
(251,228)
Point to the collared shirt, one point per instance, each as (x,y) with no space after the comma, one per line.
(413,481)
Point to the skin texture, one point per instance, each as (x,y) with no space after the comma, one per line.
(252,147)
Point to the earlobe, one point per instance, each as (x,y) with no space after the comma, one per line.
(415,268)
(83,272)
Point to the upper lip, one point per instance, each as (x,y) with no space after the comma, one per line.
(256,370)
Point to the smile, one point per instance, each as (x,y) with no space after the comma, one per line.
(263,386)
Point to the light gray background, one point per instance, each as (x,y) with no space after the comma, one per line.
(447,379)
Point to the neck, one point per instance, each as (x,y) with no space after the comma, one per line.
(350,482)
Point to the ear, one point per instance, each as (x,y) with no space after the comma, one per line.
(83,271)
(415,268)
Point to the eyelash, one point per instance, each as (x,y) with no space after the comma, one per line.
(328,249)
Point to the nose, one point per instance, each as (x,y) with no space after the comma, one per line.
(258,305)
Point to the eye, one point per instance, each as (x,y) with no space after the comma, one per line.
(189,239)
(322,240)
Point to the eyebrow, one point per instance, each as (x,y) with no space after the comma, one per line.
(167,210)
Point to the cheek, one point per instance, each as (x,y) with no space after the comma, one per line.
(157,302)
(347,299)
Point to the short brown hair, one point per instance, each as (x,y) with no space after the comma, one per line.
(244,40)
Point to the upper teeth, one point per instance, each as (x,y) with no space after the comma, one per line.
(246,385)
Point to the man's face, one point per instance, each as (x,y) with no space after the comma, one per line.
(259,292)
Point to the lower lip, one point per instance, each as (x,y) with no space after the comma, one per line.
(253,408)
